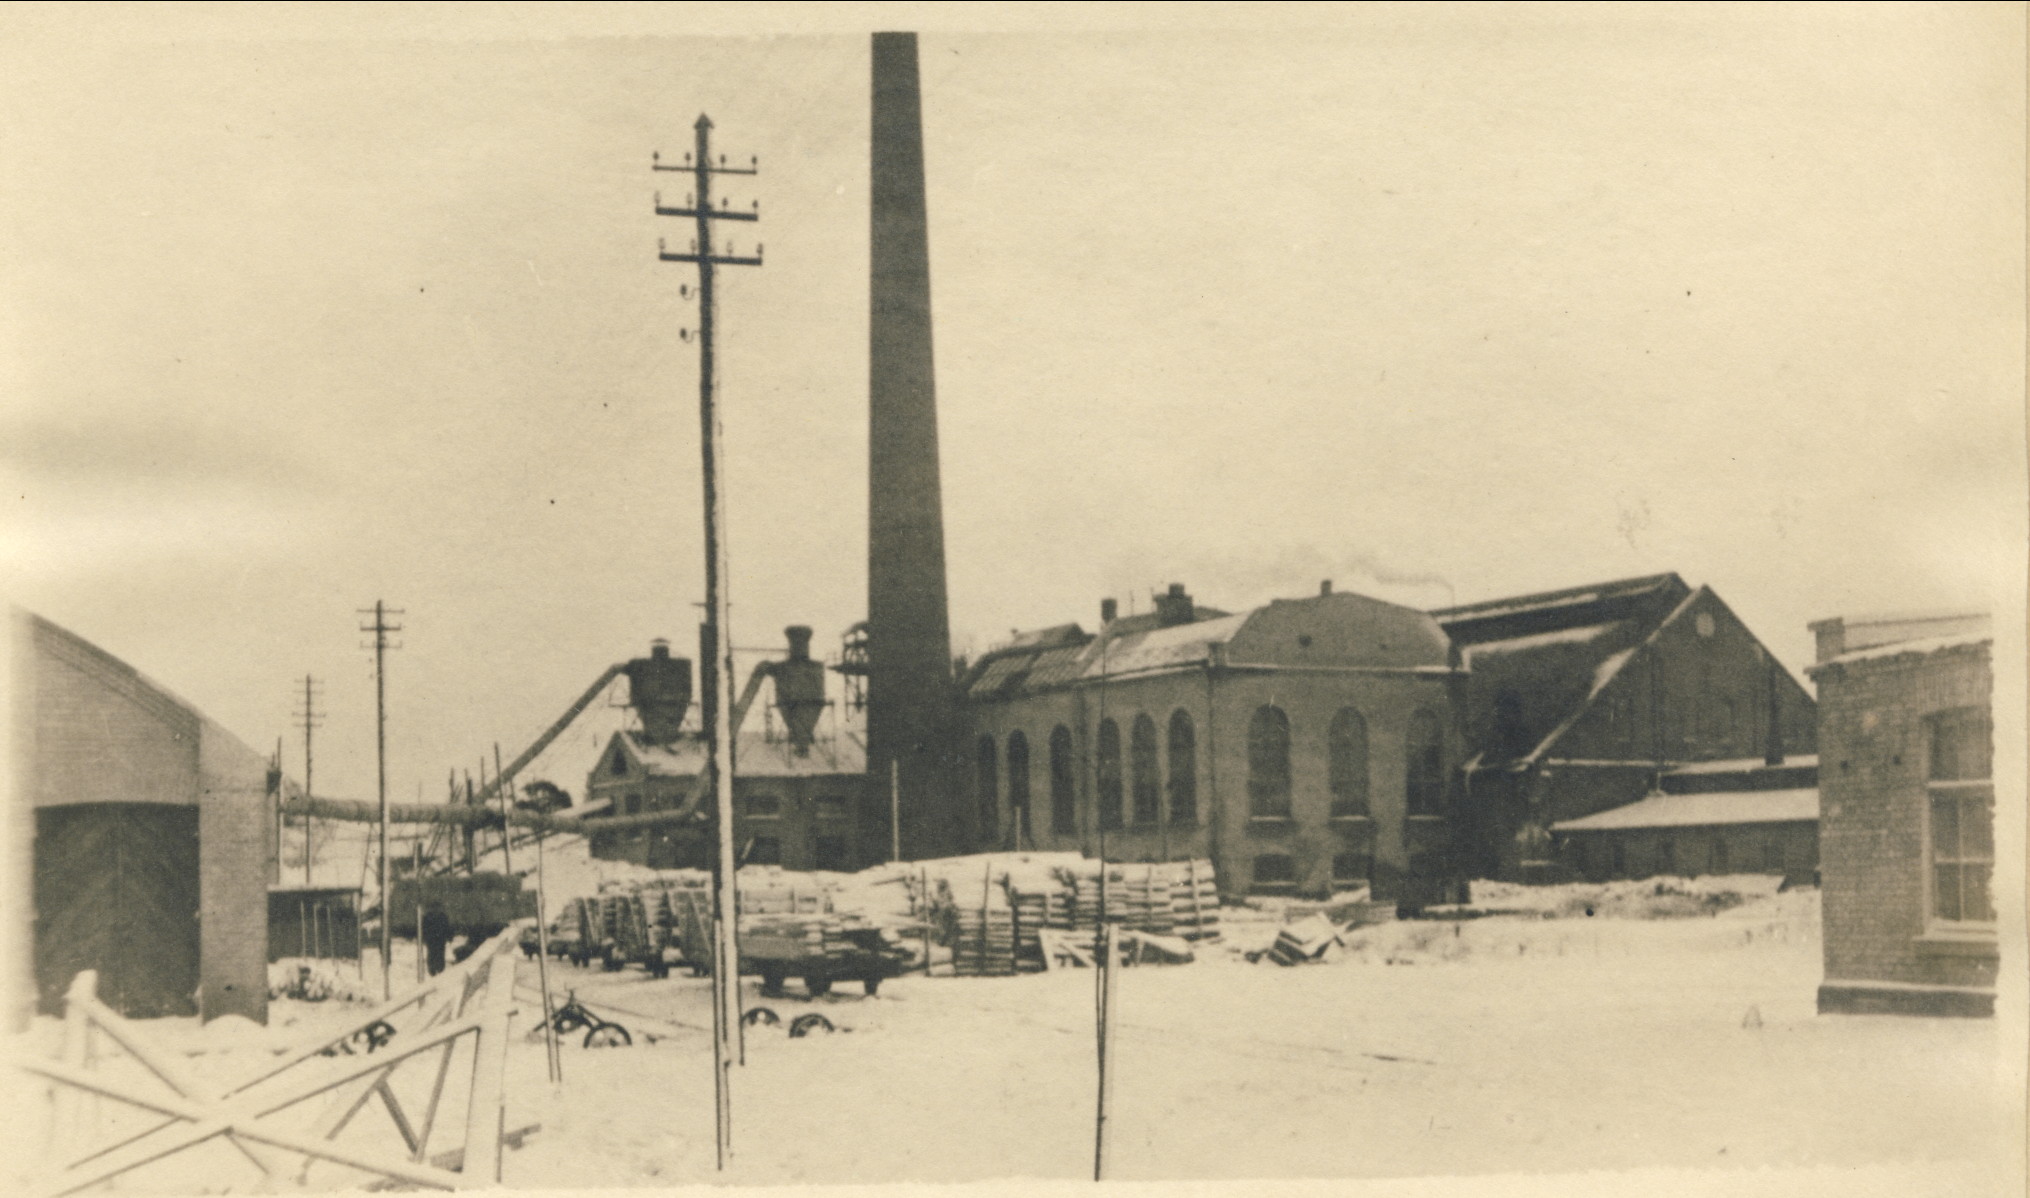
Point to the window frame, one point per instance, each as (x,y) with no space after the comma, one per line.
(1270,799)
(1145,773)
(1349,770)
(1962,793)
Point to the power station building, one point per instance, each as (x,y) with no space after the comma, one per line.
(1304,746)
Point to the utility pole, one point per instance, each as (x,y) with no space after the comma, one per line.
(719,760)
(308,719)
(381,628)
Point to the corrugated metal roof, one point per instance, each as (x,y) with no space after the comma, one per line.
(1700,810)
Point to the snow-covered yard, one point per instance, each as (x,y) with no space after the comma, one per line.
(1537,1039)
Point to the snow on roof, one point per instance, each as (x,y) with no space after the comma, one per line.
(1577,635)
(1735,765)
(1935,644)
(756,754)
(1546,600)
(1179,645)
(1700,810)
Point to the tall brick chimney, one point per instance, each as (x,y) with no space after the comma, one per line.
(909,688)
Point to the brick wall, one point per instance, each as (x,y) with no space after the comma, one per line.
(236,859)
(1873,808)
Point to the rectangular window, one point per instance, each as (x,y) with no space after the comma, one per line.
(1962,816)
(829,852)
(631,805)
(1350,869)
(764,850)
(832,807)
(1275,873)
(762,806)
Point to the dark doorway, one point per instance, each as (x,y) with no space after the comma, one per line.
(116,890)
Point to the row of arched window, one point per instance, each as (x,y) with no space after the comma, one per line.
(1142,792)
(1346,764)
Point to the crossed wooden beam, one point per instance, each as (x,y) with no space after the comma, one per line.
(439,1014)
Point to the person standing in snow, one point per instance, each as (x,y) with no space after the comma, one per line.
(436,933)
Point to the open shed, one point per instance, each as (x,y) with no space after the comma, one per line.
(150,832)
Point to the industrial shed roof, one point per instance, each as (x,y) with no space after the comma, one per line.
(1701,810)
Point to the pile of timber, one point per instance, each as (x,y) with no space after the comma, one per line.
(1013,917)
(1175,898)
(984,945)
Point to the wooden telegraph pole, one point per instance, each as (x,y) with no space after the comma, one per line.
(719,760)
(309,719)
(381,628)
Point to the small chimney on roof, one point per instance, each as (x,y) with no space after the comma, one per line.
(1109,610)
(1325,587)
(1174,607)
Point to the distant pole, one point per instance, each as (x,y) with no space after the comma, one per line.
(895,809)
(381,628)
(720,758)
(275,779)
(416,884)
(309,720)
(501,784)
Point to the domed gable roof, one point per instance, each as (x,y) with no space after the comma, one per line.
(1340,629)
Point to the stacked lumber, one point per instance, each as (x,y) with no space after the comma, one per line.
(1304,940)
(985,943)
(1176,898)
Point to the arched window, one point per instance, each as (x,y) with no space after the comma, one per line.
(1110,774)
(985,786)
(1183,769)
(1346,748)
(1424,786)
(1018,782)
(1146,773)
(1269,764)
(1063,792)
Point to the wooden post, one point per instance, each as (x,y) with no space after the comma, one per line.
(489,1062)
(895,810)
(1106,1027)
(925,914)
(416,880)
(543,969)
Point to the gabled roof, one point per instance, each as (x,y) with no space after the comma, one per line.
(1547,611)
(1701,810)
(1555,652)
(755,754)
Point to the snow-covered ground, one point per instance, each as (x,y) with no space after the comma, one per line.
(1534,1039)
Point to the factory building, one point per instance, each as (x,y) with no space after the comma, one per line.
(153,834)
(1907,832)
(1586,700)
(1306,746)
(798,787)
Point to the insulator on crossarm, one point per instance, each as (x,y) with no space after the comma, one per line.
(683,291)
(683,334)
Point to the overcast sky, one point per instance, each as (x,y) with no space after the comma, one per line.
(1441,307)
